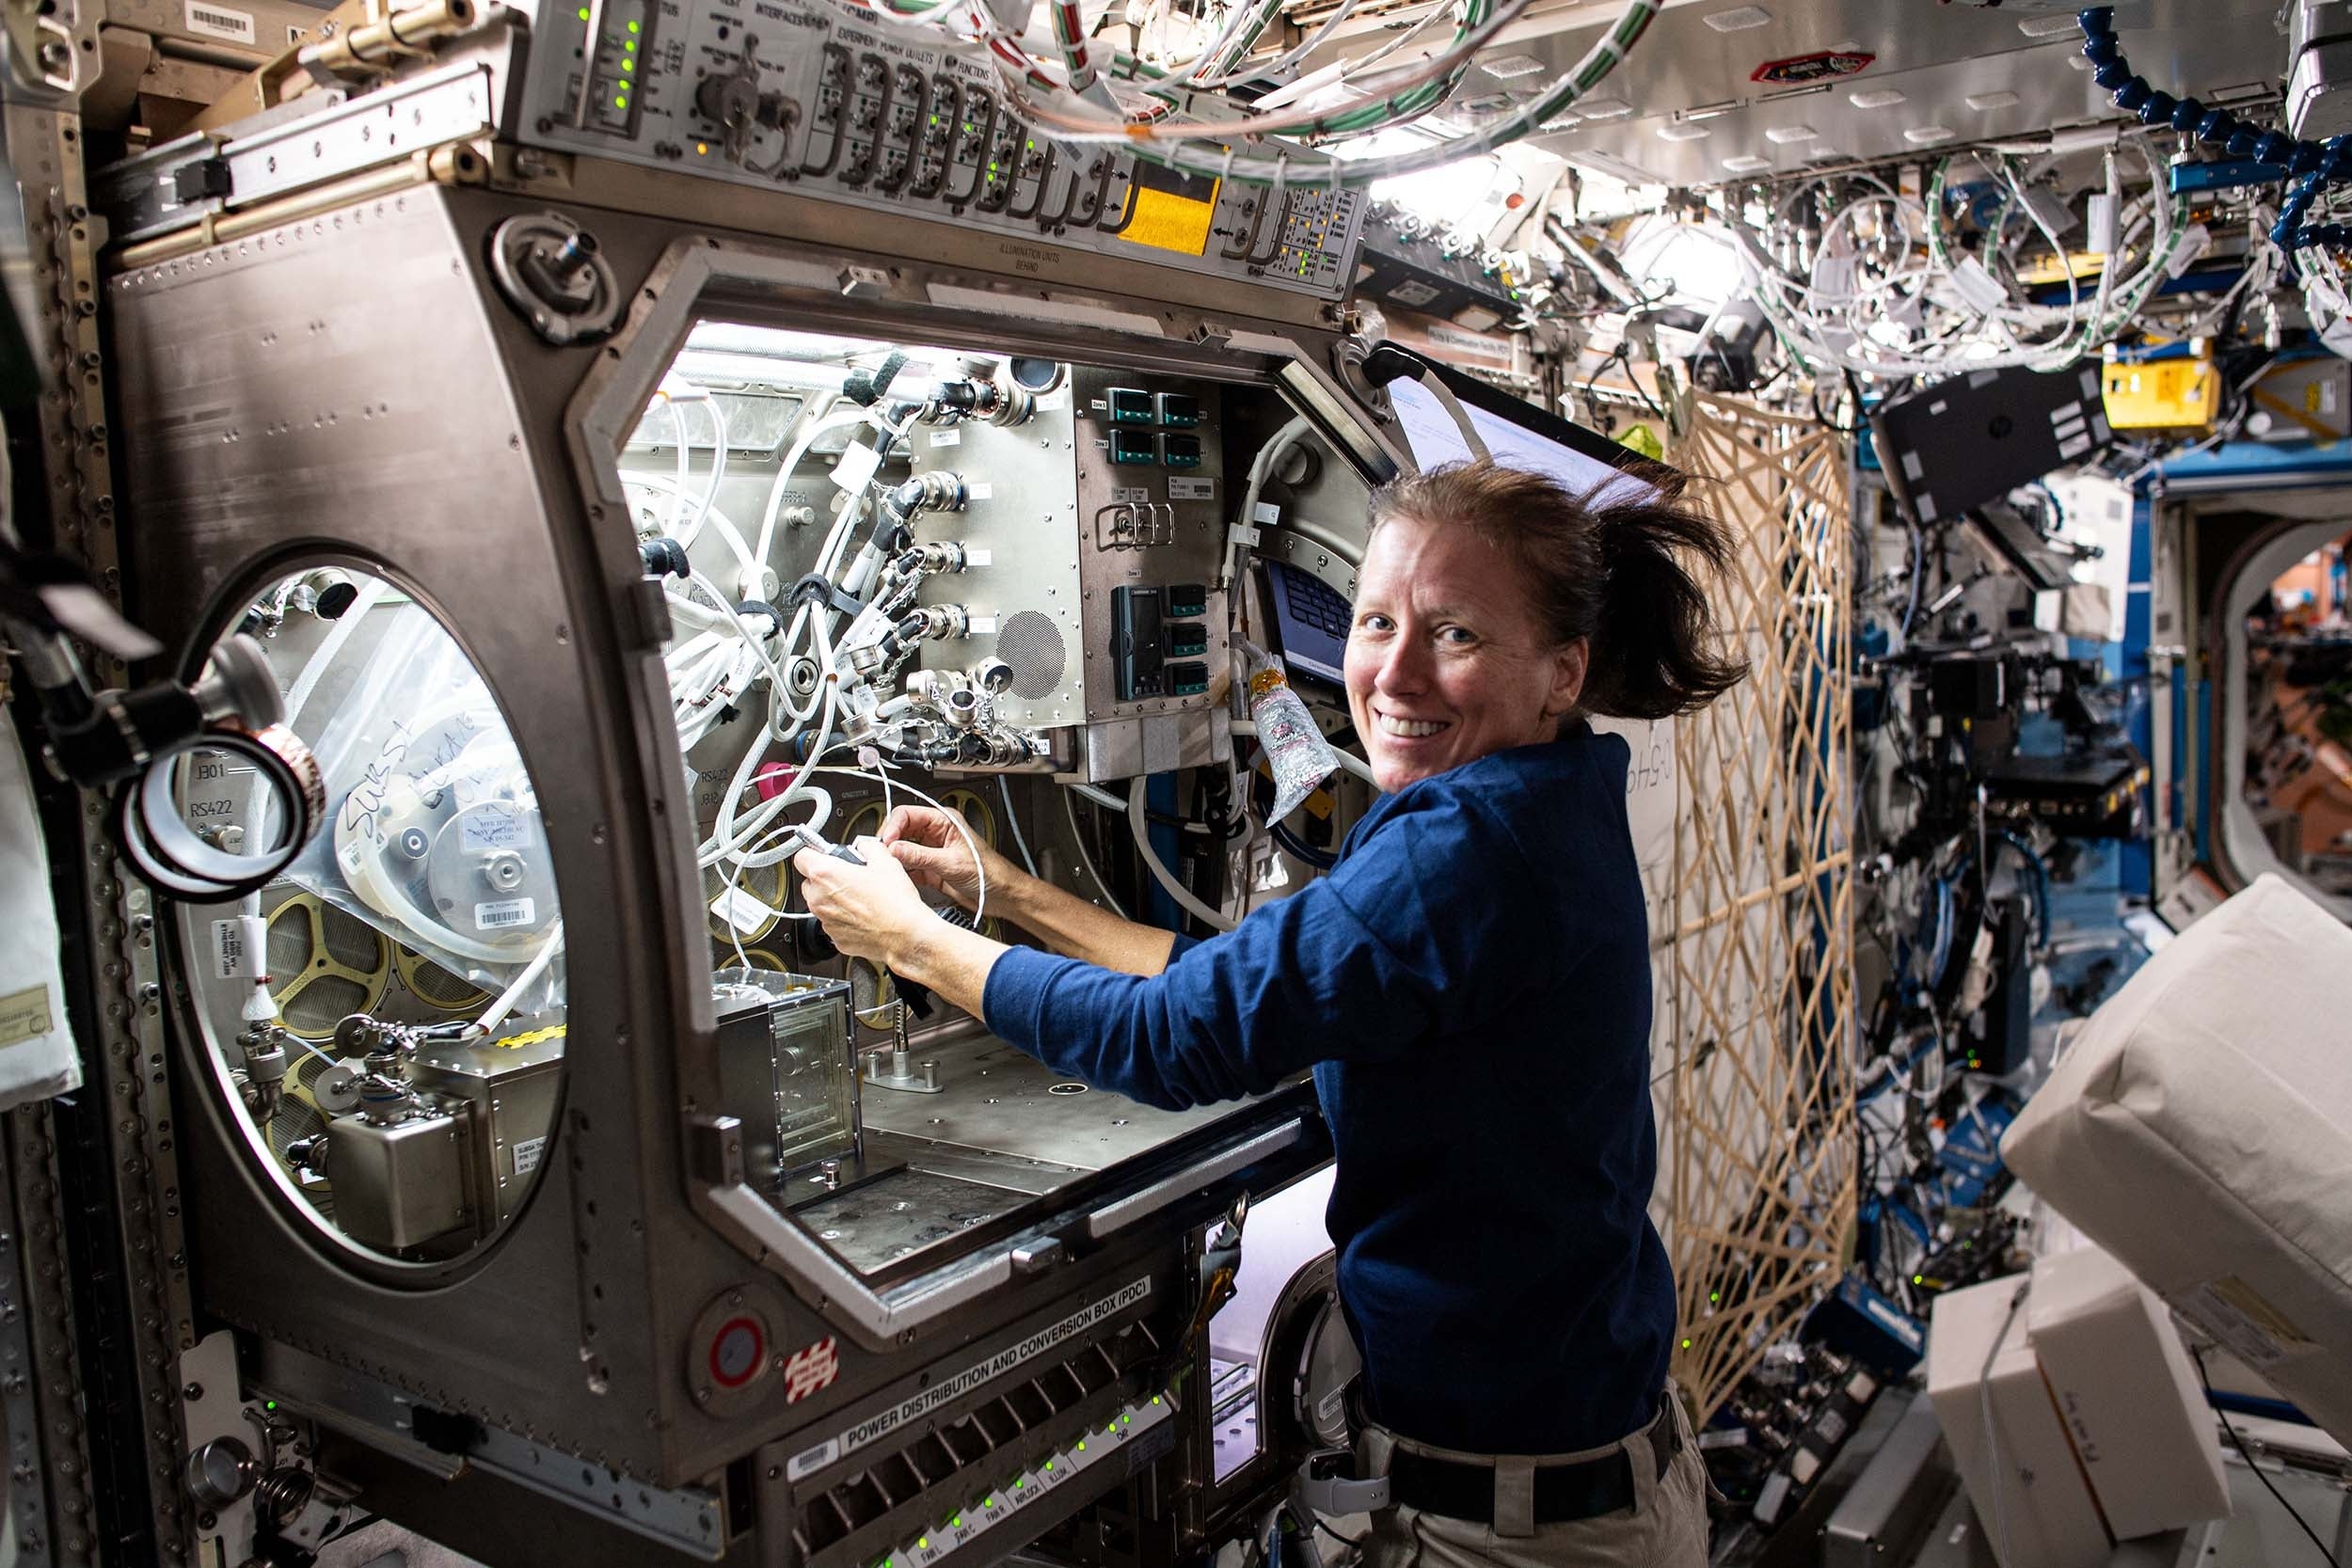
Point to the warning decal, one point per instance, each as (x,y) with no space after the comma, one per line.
(1812,68)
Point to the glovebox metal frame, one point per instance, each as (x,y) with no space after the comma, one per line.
(350,387)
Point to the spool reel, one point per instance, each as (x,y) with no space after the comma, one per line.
(323,963)
(442,989)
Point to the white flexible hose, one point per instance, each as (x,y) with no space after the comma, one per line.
(1136,825)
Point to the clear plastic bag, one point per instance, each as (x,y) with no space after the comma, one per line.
(434,836)
(1293,747)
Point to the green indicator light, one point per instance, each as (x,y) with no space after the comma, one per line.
(269,1404)
(1032,147)
(1919,1280)
(1018,1483)
(1082,1448)
(625,65)
(1686,1344)
(629,46)
(1156,1399)
(956,1523)
(1049,1464)
(992,1502)
(1111,1430)
(992,169)
(583,13)
(632,26)
(620,101)
(924,1545)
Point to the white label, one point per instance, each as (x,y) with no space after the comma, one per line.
(1191,489)
(2230,1311)
(527,1155)
(498,827)
(856,468)
(741,910)
(229,954)
(1265,513)
(498,916)
(26,1015)
(1977,286)
(946,1390)
(981,625)
(814,1460)
(947,437)
(219,22)
(2073,449)
(975,556)
(978,492)
(1130,495)
(1057,398)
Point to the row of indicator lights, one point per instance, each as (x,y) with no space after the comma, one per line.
(1025,1488)
(628,63)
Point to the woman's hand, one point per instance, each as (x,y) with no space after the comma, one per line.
(870,911)
(935,849)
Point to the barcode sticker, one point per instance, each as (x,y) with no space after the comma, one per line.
(219,22)
(503,913)
(229,954)
(1191,489)
(741,910)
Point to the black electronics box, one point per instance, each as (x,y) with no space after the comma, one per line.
(1403,263)
(2082,798)
(1950,448)
(1971,687)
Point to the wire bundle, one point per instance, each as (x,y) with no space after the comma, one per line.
(1175,117)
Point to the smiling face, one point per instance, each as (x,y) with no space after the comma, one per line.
(1447,659)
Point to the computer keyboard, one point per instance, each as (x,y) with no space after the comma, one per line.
(1311,621)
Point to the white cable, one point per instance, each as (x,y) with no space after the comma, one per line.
(1176,890)
(1013,822)
(495,1014)
(1078,842)
(807,438)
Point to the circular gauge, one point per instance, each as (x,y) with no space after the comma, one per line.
(323,962)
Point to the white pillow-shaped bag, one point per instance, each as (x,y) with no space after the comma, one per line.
(2201,1130)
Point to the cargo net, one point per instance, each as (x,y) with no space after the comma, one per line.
(1751,920)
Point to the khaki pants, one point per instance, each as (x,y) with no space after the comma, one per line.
(1666,1527)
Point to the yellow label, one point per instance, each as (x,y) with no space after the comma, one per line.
(1167,221)
(516,1042)
(25,1015)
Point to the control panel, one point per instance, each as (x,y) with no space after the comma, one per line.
(1408,262)
(792,98)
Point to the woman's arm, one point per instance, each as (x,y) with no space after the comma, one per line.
(933,847)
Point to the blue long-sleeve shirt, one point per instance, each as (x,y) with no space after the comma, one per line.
(1471,986)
